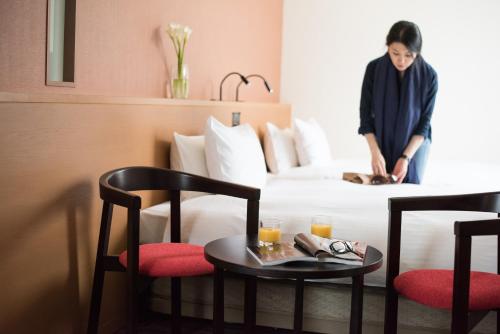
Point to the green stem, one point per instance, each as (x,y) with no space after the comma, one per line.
(179,67)
(175,44)
(180,58)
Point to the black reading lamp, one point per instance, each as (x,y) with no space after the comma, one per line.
(269,89)
(242,77)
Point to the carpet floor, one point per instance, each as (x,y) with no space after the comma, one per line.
(156,323)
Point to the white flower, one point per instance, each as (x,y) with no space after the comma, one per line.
(179,35)
(187,32)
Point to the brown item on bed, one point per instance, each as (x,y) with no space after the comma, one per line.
(368,178)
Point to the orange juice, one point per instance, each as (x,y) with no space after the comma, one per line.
(321,230)
(269,234)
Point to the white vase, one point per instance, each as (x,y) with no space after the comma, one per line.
(180,81)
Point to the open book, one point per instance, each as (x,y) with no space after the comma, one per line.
(311,248)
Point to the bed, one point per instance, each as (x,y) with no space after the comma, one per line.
(359,212)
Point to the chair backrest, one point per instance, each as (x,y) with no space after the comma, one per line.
(114,183)
(115,187)
(479,202)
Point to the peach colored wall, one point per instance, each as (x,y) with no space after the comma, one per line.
(122,51)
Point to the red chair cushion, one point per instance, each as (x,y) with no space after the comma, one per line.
(170,260)
(434,288)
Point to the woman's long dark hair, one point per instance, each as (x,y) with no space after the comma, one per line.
(406,33)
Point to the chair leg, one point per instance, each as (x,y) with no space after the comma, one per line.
(95,301)
(498,319)
(218,318)
(144,294)
(175,324)
(461,285)
(391,311)
(133,301)
(459,327)
(102,249)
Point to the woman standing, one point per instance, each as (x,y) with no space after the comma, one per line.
(397,100)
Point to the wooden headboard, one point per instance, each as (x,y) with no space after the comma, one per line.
(53,150)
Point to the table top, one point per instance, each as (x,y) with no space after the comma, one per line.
(230,253)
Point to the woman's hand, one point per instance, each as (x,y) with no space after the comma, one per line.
(400,169)
(378,164)
(378,161)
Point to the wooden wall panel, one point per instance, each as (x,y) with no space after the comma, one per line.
(53,150)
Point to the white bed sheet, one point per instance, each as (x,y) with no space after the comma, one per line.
(359,212)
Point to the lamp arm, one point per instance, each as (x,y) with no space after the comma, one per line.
(269,89)
(242,77)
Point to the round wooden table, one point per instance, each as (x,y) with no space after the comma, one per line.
(230,254)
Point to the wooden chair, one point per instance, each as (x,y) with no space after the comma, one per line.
(172,259)
(473,294)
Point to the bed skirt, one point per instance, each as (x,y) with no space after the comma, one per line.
(326,306)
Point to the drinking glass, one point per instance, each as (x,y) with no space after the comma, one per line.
(269,232)
(321,226)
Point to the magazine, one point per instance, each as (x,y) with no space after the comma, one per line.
(368,178)
(310,248)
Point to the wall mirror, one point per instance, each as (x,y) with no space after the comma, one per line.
(61,15)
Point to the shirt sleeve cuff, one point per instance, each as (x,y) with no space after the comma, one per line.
(425,132)
(364,129)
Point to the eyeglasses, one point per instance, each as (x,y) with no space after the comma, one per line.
(341,247)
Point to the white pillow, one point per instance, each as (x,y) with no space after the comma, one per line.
(234,154)
(279,149)
(311,143)
(187,154)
